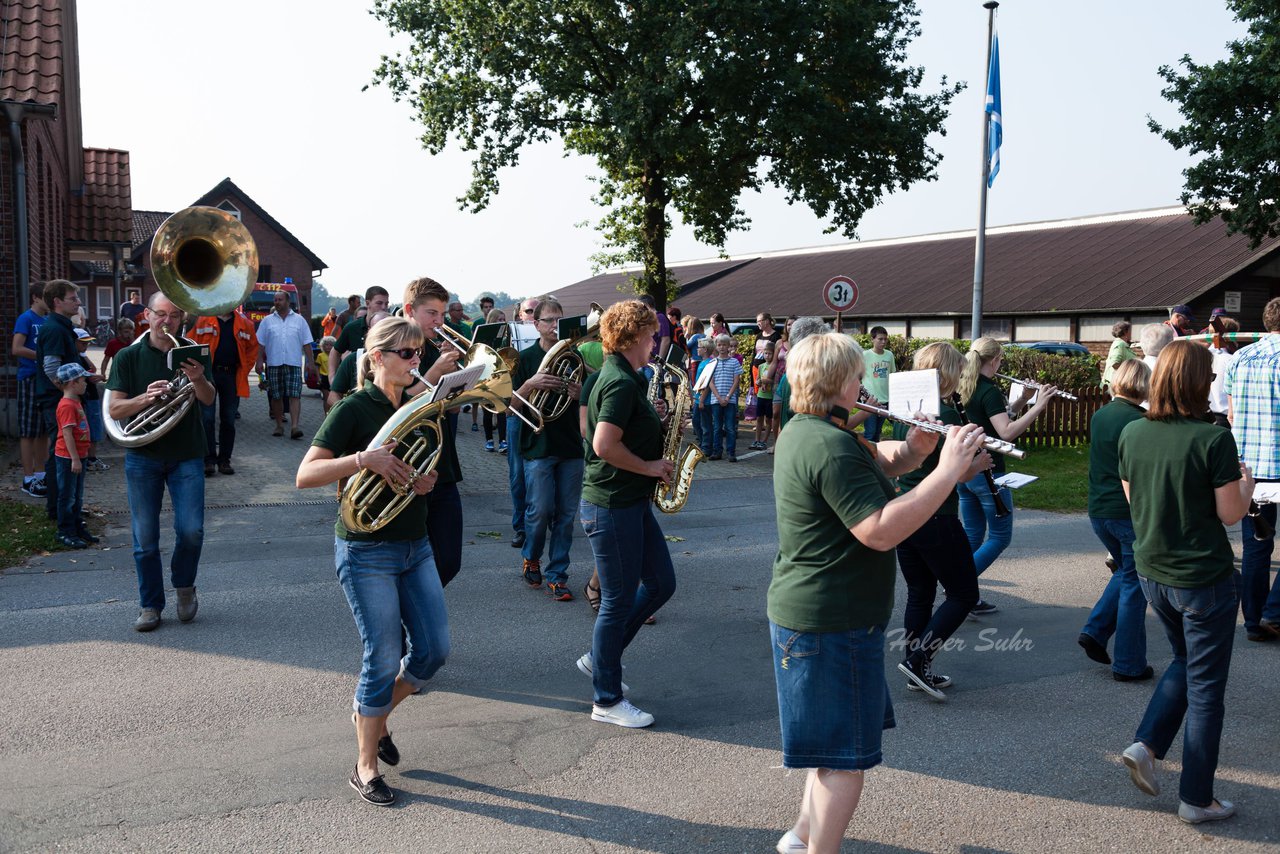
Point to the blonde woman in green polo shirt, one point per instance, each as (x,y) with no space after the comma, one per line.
(833,578)
(623,445)
(389,577)
(1185,482)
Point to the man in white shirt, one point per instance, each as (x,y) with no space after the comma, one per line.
(284,340)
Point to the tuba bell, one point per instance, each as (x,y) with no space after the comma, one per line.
(205,261)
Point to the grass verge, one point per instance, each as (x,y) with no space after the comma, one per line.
(1063,486)
(24,531)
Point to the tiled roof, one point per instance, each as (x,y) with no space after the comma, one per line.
(608,288)
(227,187)
(31,51)
(102,214)
(1141,260)
(145,224)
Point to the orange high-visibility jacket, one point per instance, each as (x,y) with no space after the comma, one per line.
(205,331)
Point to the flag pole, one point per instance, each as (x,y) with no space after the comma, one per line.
(980,249)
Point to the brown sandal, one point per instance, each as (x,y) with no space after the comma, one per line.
(592,595)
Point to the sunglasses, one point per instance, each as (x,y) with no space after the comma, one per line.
(406,353)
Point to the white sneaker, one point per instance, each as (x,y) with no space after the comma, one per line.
(623,714)
(584,664)
(1142,767)
(791,844)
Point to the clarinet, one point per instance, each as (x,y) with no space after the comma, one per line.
(1262,529)
(1001,509)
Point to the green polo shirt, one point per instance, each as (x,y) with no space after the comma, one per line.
(138,366)
(988,401)
(620,397)
(461,327)
(910,480)
(1173,468)
(824,580)
(352,335)
(349,427)
(1106,495)
(344,378)
(559,438)
(587,384)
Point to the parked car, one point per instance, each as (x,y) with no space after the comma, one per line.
(1056,348)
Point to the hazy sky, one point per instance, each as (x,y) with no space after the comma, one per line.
(268,93)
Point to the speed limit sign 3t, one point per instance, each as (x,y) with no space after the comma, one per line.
(840,294)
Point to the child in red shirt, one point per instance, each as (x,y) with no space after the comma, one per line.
(70,450)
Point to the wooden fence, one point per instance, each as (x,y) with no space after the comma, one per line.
(1065,422)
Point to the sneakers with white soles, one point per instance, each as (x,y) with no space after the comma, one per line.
(1142,767)
(623,714)
(1216,811)
(791,844)
(584,664)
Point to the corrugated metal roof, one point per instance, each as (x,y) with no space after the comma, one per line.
(31,45)
(608,288)
(102,214)
(1138,260)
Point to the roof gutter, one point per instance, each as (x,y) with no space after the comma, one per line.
(14,114)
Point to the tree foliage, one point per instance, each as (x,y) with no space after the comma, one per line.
(683,105)
(1231,122)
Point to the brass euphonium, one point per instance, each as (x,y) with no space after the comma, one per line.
(671,498)
(564,361)
(205,261)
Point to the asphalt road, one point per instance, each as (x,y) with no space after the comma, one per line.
(234,732)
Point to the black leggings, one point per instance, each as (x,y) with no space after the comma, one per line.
(489,418)
(936,554)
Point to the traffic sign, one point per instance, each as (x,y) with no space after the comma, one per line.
(840,294)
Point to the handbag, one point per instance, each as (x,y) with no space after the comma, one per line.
(750,412)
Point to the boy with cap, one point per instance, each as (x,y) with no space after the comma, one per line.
(69,453)
(91,400)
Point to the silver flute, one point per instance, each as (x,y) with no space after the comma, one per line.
(990,443)
(1035,385)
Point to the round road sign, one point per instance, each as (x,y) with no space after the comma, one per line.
(840,294)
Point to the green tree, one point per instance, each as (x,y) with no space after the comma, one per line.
(1231,119)
(683,105)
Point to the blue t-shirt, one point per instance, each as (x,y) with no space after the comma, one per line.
(29,325)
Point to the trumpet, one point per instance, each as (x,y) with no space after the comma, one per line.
(990,443)
(1035,385)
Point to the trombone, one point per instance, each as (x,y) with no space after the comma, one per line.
(496,376)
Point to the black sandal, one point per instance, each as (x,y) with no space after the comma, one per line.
(592,595)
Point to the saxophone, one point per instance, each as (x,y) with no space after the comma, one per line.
(672,498)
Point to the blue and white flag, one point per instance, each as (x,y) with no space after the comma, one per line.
(995,131)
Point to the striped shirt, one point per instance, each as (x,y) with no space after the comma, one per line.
(726,376)
(1253,382)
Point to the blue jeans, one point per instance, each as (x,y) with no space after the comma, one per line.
(705,416)
(695,421)
(389,584)
(872,426)
(1200,623)
(515,473)
(978,515)
(724,428)
(636,578)
(1259,598)
(225,405)
(1122,608)
(93,414)
(49,422)
(70,497)
(553,486)
(147,478)
(833,701)
(937,553)
(444,530)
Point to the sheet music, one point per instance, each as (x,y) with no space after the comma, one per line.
(523,334)
(1266,493)
(1014,479)
(914,391)
(457,382)
(1016,390)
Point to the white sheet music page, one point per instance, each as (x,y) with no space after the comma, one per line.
(1017,390)
(457,382)
(1014,479)
(914,391)
(1266,493)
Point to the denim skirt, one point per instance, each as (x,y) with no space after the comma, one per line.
(833,701)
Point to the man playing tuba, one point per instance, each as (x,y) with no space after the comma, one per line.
(139,378)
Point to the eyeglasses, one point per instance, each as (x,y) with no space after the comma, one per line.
(405,353)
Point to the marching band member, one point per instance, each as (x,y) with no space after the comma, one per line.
(553,464)
(1122,609)
(424,303)
(1185,482)
(938,552)
(389,577)
(989,534)
(624,463)
(139,377)
(833,579)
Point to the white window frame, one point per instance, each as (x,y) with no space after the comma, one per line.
(104,296)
